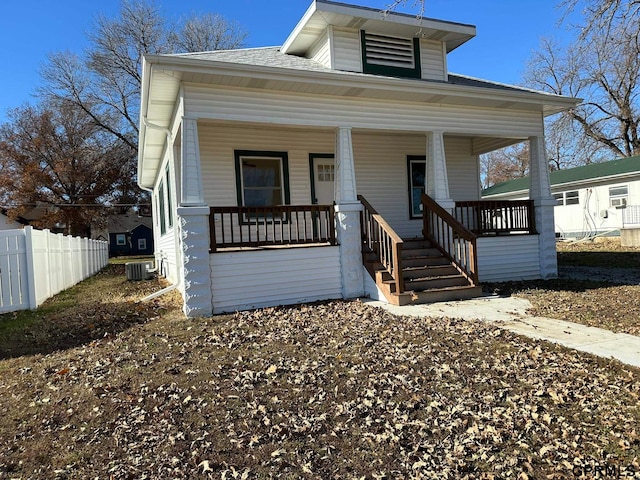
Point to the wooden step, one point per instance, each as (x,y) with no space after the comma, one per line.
(436,282)
(427,271)
(420,252)
(446,294)
(425,261)
(416,243)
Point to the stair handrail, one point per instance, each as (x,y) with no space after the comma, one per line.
(381,239)
(451,237)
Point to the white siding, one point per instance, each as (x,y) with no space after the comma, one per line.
(167,252)
(382,178)
(217,145)
(463,169)
(321,50)
(432,60)
(313,110)
(254,279)
(346,50)
(380,162)
(509,257)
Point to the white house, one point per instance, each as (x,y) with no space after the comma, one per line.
(596,199)
(290,174)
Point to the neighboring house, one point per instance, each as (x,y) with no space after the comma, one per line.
(329,143)
(596,199)
(130,234)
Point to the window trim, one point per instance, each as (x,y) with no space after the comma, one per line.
(576,197)
(410,160)
(387,70)
(144,241)
(119,237)
(623,197)
(169,202)
(162,210)
(284,172)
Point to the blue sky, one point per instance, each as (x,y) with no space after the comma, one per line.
(507,32)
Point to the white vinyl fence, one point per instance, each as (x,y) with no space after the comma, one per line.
(37,264)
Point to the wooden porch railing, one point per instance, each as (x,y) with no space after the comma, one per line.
(271,225)
(381,239)
(497,217)
(451,237)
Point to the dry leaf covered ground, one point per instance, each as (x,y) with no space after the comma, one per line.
(330,390)
(604,293)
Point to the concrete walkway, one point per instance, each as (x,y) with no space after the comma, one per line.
(511,313)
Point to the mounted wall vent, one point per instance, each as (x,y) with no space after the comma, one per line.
(392,56)
(389,51)
(138,270)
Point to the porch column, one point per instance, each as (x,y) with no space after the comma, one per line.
(543,201)
(193,215)
(348,216)
(437,186)
(191,191)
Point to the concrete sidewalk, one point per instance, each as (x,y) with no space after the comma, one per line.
(511,313)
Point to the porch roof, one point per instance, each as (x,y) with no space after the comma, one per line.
(271,69)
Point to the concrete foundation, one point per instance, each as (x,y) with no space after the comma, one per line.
(630,237)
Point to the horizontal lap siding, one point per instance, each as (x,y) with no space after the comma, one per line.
(217,145)
(346,50)
(320,51)
(432,60)
(313,110)
(255,279)
(511,257)
(382,178)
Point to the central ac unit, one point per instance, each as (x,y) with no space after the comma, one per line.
(138,270)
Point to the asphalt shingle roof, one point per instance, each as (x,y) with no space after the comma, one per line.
(273,57)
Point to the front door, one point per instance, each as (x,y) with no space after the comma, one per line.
(323,175)
(322,167)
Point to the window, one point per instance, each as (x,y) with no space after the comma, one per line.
(572,198)
(121,239)
(161,210)
(326,173)
(417,170)
(142,244)
(567,198)
(618,196)
(262,178)
(391,56)
(169,204)
(559,198)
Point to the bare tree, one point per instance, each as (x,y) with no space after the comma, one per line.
(604,69)
(104,83)
(207,32)
(505,164)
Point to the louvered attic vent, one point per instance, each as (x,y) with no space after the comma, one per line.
(394,56)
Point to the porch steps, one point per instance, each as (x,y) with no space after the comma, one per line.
(428,276)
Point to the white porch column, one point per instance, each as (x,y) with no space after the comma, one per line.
(437,186)
(193,215)
(540,193)
(191,191)
(348,216)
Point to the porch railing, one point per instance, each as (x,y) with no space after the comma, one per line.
(380,238)
(271,225)
(451,237)
(497,217)
(631,215)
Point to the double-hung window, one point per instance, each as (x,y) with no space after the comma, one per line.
(262,178)
(568,198)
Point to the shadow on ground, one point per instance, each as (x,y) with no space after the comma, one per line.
(101,306)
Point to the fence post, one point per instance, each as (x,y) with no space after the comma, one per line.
(31,273)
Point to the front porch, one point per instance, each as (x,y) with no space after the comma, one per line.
(442,264)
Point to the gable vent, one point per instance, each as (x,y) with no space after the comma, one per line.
(389,51)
